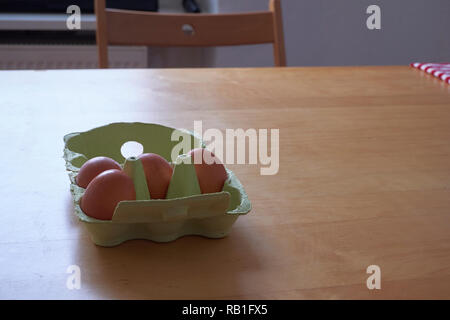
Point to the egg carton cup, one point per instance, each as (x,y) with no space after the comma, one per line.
(185,211)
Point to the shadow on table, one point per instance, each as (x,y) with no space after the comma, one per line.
(191,267)
(72,219)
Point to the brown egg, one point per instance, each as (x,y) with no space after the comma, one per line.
(210,171)
(104,193)
(158,173)
(93,167)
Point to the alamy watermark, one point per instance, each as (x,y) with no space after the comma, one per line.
(373,22)
(73,281)
(236,146)
(73,22)
(374,281)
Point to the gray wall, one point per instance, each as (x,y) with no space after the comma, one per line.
(332,32)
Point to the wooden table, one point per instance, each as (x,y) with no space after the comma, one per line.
(364,180)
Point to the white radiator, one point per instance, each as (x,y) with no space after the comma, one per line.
(68,57)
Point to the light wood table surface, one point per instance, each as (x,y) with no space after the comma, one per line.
(364,179)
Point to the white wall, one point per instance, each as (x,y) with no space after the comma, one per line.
(334,32)
(331,32)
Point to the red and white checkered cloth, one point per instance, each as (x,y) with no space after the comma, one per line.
(439,70)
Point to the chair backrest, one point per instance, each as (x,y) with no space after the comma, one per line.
(127,27)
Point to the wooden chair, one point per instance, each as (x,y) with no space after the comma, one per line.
(126,27)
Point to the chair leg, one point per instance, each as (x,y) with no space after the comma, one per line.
(278,44)
(101,38)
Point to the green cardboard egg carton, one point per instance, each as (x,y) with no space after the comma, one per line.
(185,211)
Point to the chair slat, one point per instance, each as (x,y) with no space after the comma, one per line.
(126,27)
